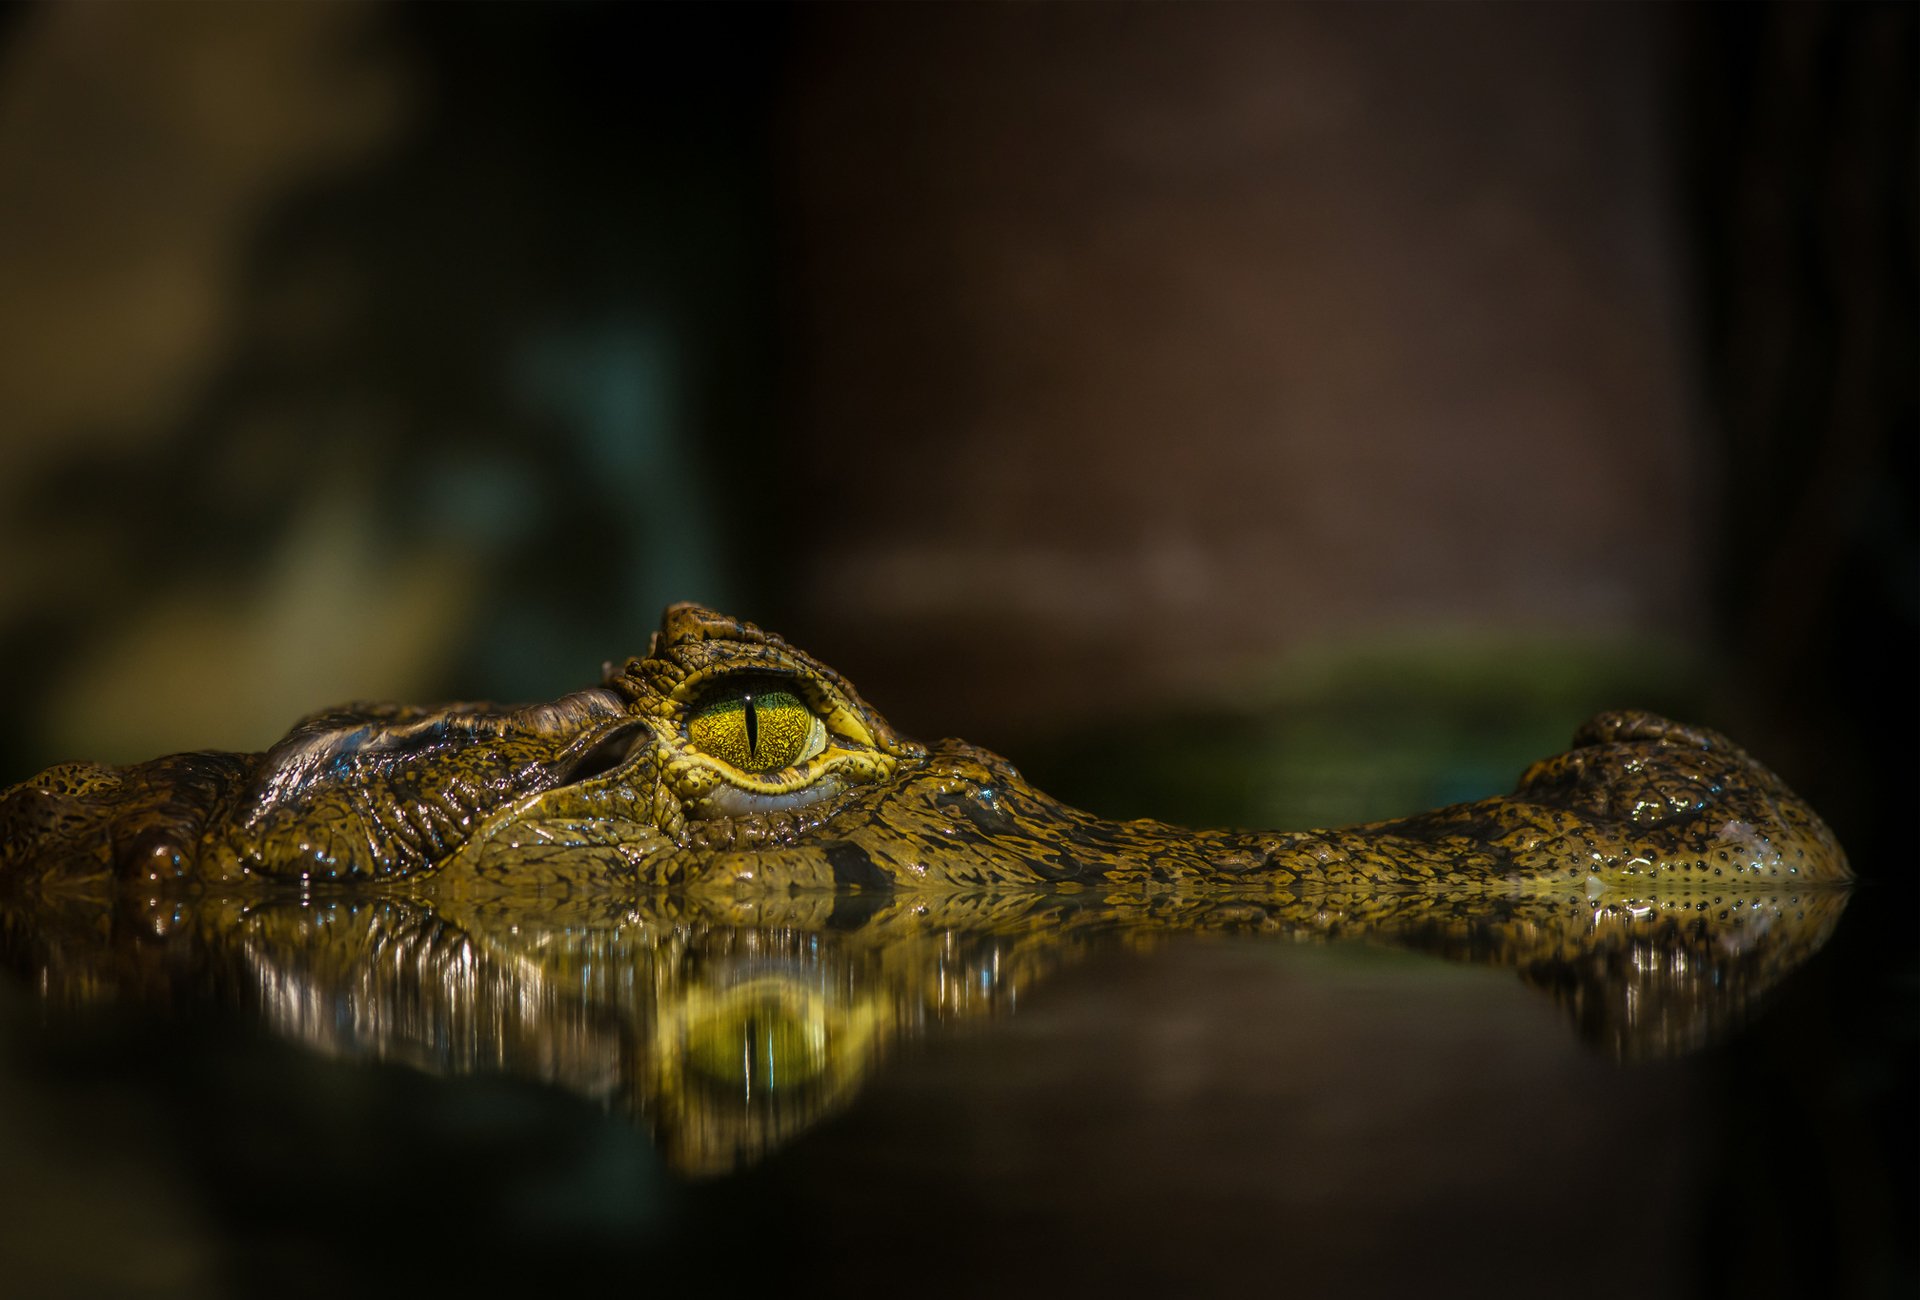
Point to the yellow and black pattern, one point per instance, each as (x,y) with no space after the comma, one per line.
(730,1024)
(724,761)
(756,727)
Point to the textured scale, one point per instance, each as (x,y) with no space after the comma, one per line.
(604,790)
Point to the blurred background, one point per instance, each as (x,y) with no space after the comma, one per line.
(1324,406)
(1234,413)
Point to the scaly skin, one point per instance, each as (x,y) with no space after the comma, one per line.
(604,791)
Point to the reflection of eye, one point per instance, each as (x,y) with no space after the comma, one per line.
(756,727)
(759,1045)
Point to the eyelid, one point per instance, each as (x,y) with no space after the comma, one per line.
(843,722)
(732,801)
(816,742)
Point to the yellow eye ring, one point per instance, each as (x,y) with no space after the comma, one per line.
(756,726)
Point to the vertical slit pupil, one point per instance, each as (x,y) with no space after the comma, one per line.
(753,725)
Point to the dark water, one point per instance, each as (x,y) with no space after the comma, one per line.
(1045,1094)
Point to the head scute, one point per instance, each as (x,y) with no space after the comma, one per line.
(688,623)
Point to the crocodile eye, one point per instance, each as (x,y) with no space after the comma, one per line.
(760,1043)
(756,727)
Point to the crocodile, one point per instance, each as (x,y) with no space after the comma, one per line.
(730,1025)
(725,760)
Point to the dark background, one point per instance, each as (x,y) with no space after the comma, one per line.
(1053,370)
(1233,412)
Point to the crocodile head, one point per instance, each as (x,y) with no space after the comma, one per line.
(726,759)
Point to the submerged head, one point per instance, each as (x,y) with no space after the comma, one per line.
(725,758)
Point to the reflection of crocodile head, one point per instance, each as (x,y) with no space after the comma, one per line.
(730,1027)
(726,761)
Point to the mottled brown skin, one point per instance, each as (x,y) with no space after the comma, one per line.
(604,791)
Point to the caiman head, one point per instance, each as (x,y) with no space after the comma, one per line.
(725,759)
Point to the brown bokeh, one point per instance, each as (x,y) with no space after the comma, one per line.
(1229,410)
(1023,361)
(1138,345)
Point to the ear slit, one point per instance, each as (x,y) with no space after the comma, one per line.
(605,755)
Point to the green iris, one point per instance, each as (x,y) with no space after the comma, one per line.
(754,727)
(759,1044)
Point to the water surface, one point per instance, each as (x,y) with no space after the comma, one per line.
(864,1093)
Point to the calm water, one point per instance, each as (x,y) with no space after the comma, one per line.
(862,1094)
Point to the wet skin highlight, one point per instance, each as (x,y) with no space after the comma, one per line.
(725,761)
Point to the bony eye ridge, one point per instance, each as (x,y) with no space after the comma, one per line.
(756,727)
